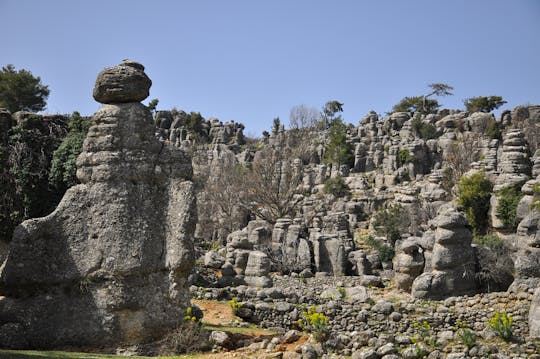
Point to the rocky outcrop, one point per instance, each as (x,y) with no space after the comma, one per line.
(452,261)
(534,315)
(246,256)
(109,266)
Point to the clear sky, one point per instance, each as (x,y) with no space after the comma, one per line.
(251,61)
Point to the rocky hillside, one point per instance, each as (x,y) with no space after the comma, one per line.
(394,237)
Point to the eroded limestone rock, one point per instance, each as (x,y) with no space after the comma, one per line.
(109,266)
(452,259)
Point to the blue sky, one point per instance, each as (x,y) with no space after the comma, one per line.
(251,61)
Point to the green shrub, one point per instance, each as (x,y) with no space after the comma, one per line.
(423,129)
(315,323)
(235,305)
(423,331)
(466,336)
(491,241)
(493,129)
(337,187)
(473,197)
(63,164)
(385,252)
(391,221)
(501,323)
(404,156)
(509,198)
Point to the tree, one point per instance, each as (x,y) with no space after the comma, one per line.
(152,105)
(459,156)
(63,166)
(391,221)
(21,91)
(302,116)
(483,103)
(438,89)
(30,146)
(423,104)
(417,104)
(273,184)
(330,113)
(338,151)
(276,126)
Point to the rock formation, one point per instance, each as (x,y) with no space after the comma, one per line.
(452,260)
(109,266)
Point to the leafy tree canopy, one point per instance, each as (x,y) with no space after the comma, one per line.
(330,112)
(63,165)
(21,91)
(416,104)
(338,150)
(483,103)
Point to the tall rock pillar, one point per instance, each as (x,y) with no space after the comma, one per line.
(109,266)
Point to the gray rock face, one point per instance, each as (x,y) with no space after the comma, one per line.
(527,255)
(452,259)
(109,266)
(534,315)
(124,83)
(408,263)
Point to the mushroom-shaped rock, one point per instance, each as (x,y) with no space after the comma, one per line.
(126,82)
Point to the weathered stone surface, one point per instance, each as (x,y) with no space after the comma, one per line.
(110,264)
(408,262)
(534,315)
(452,263)
(126,82)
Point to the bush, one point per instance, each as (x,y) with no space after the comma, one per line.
(493,129)
(473,197)
(385,252)
(235,305)
(315,323)
(491,241)
(423,129)
(466,336)
(188,337)
(501,323)
(404,156)
(509,198)
(63,164)
(337,187)
(391,221)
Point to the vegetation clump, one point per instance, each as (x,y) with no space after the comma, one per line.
(425,130)
(337,187)
(386,253)
(509,198)
(315,323)
(474,196)
(21,91)
(501,323)
(483,103)
(235,305)
(63,165)
(391,221)
(189,336)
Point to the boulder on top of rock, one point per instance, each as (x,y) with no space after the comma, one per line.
(110,265)
(126,82)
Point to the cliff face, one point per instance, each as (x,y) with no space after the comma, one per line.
(109,266)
